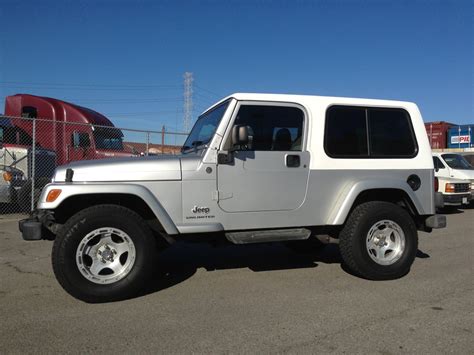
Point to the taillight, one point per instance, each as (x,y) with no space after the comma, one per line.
(436,184)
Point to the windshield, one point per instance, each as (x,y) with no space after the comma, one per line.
(108,138)
(204,128)
(456,161)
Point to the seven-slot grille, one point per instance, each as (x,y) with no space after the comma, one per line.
(464,187)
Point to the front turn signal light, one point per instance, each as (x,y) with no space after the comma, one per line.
(7,176)
(450,187)
(53,195)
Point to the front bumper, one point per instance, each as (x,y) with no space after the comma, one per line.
(30,228)
(40,225)
(457,199)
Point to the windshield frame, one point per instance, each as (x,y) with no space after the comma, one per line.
(461,158)
(190,144)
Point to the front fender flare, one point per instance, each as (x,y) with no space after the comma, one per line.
(69,190)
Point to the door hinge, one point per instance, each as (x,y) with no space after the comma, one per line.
(219,195)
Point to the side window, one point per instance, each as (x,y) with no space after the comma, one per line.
(438,163)
(346,132)
(1,134)
(80,140)
(363,132)
(272,128)
(29,112)
(391,134)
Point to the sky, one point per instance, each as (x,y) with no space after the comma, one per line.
(126,59)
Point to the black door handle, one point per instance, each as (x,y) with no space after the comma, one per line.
(293,161)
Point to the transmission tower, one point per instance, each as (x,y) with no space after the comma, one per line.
(188,100)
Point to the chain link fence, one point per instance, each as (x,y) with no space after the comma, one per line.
(32,148)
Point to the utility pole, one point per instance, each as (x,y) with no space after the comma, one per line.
(188,101)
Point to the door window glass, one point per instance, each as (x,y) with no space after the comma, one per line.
(272,128)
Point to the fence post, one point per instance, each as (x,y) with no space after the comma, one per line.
(33,165)
(147,142)
(459,136)
(163,140)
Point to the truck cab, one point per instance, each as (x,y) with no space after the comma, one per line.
(73,132)
(255,168)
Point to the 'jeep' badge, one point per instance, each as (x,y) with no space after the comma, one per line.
(197,209)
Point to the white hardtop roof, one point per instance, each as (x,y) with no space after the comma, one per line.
(306,98)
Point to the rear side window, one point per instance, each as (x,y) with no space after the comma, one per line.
(390,133)
(346,132)
(362,132)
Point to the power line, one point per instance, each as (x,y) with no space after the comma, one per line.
(209,91)
(167,99)
(140,113)
(92,85)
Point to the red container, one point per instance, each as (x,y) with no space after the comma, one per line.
(438,133)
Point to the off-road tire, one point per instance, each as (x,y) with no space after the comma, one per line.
(77,227)
(352,240)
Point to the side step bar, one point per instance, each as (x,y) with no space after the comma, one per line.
(263,236)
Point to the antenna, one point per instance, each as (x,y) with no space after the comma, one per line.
(188,100)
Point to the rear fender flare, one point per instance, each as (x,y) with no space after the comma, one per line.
(347,198)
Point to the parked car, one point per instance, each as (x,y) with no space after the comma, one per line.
(456,193)
(469,156)
(255,168)
(454,165)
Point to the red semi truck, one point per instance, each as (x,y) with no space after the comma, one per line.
(66,128)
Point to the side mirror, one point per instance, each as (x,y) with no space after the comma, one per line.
(240,135)
(436,169)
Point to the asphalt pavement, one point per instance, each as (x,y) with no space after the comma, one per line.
(248,299)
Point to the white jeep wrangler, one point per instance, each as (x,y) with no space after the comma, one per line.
(255,168)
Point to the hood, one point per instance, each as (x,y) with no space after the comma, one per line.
(463,174)
(123,169)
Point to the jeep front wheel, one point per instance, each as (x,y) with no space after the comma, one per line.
(379,241)
(103,253)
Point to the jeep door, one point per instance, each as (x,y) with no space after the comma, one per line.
(270,172)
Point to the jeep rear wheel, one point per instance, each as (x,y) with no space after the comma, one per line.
(103,253)
(379,241)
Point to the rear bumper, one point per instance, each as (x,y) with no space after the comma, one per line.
(436,221)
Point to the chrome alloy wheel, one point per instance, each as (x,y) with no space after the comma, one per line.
(105,255)
(385,242)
